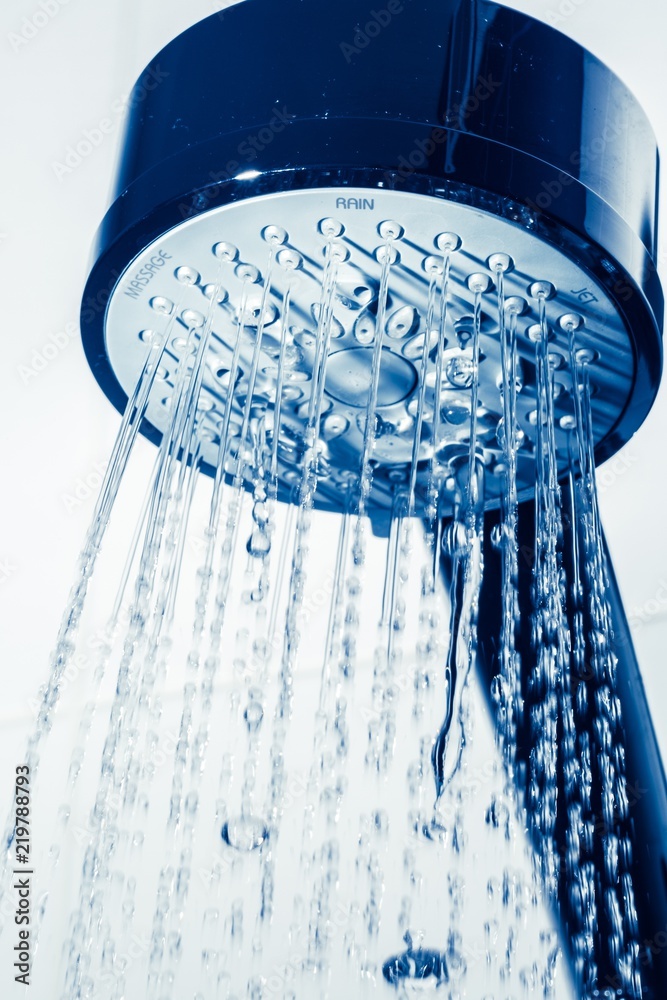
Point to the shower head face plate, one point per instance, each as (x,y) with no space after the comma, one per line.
(177,276)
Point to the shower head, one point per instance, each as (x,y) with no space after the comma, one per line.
(317,177)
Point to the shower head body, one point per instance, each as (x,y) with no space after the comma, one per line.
(458,117)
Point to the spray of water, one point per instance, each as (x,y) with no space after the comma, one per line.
(233,769)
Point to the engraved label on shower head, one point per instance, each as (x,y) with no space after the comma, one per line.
(141,278)
(585,295)
(361,204)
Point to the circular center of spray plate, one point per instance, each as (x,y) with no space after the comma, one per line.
(349,373)
(293,291)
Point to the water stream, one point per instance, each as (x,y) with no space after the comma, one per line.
(337,813)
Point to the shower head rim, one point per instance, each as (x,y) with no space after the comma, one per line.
(543,93)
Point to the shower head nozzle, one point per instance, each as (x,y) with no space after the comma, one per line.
(355,229)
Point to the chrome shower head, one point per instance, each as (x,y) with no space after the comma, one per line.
(461,139)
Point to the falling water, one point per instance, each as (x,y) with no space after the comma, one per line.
(464,543)
(604,802)
(549,679)
(507,689)
(290,843)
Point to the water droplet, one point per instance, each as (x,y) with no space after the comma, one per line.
(498,536)
(245,833)
(519,435)
(381,822)
(419,966)
(253,716)
(456,412)
(460,371)
(454,539)
(259,544)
